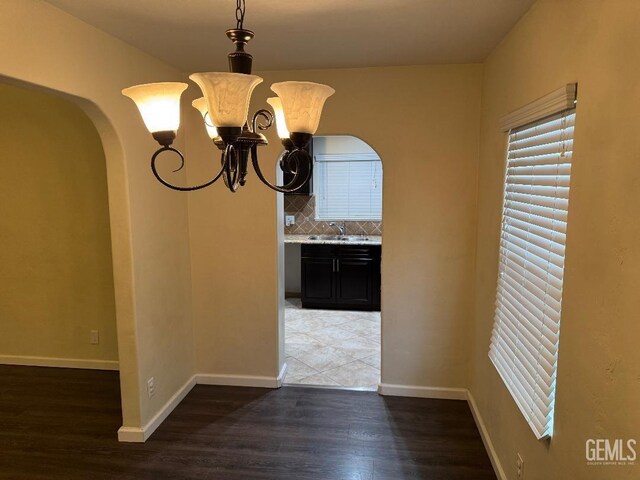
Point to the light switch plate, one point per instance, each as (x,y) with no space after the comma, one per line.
(289,220)
(94,337)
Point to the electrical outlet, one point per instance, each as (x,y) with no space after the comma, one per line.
(289,220)
(94,337)
(520,468)
(151,387)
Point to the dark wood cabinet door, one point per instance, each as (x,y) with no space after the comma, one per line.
(318,282)
(355,282)
(341,276)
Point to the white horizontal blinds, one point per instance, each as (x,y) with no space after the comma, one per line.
(524,341)
(348,187)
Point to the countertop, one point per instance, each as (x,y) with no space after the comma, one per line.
(365,240)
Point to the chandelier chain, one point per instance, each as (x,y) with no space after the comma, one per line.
(240,8)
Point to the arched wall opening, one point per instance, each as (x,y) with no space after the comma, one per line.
(149,225)
(119,243)
(57,297)
(331,327)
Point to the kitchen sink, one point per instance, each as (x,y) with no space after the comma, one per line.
(324,237)
(354,238)
(342,238)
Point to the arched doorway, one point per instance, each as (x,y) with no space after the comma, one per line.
(57,291)
(333,236)
(57,296)
(120,237)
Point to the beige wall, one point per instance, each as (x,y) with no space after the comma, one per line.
(45,47)
(56,281)
(594,43)
(426,131)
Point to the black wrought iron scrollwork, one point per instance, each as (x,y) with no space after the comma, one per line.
(176,187)
(235,158)
(289,187)
(232,169)
(267,115)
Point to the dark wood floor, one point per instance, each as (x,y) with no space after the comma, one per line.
(61,424)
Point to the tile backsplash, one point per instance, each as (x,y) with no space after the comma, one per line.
(303,208)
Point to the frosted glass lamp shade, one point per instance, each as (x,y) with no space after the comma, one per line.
(228,96)
(281,124)
(158,103)
(200,104)
(302,103)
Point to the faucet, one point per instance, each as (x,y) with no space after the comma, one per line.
(341,228)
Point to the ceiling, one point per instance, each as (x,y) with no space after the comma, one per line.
(307,34)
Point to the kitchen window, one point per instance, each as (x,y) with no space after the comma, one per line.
(348,186)
(524,341)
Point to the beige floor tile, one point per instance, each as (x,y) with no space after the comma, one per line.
(354,316)
(375,337)
(373,360)
(364,329)
(306,324)
(331,335)
(360,316)
(357,347)
(354,374)
(356,342)
(317,379)
(292,336)
(317,341)
(332,320)
(324,358)
(296,368)
(297,350)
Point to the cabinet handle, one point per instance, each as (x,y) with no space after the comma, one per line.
(338,265)
(333,265)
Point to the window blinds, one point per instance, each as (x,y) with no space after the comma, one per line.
(524,341)
(348,187)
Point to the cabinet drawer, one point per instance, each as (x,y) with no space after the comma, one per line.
(317,251)
(359,251)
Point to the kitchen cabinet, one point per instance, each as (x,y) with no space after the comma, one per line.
(341,276)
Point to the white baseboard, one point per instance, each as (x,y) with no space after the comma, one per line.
(486,439)
(131,435)
(422,392)
(238,380)
(141,434)
(282,374)
(59,362)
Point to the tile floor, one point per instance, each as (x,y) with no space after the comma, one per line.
(332,347)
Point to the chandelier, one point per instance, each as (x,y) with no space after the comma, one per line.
(224,109)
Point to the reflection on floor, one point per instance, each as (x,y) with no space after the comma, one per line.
(332,347)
